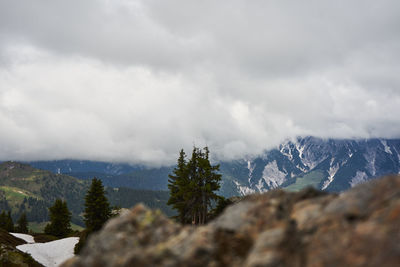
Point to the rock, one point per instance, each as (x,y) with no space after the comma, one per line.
(357,228)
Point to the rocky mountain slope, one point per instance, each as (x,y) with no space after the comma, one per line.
(331,165)
(359,227)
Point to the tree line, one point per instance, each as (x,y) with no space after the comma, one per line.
(6,223)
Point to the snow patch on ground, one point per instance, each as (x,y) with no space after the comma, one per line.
(359,178)
(272,175)
(27,238)
(51,254)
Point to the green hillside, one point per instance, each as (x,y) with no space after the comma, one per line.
(26,189)
(30,190)
(310,179)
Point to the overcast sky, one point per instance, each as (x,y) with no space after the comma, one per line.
(136,80)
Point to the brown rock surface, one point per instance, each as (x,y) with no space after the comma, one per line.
(360,227)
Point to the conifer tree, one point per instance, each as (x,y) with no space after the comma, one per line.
(9,224)
(3,220)
(192,186)
(22,224)
(60,218)
(176,183)
(97,207)
(97,212)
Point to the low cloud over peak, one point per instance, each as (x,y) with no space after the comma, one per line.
(135,81)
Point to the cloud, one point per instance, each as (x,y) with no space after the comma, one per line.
(135,81)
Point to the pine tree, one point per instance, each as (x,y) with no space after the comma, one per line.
(97,212)
(192,186)
(60,218)
(3,220)
(175,183)
(22,224)
(97,208)
(9,224)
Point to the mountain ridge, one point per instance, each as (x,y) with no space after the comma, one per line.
(326,164)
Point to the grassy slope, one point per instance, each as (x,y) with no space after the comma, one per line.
(310,179)
(19,181)
(37,227)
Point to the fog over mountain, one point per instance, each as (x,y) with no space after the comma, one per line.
(134,81)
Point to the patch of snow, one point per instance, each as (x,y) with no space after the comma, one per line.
(386,147)
(300,149)
(243,190)
(359,178)
(260,186)
(370,156)
(27,238)
(332,172)
(287,154)
(301,168)
(51,254)
(272,175)
(251,169)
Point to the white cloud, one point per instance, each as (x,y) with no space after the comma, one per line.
(137,80)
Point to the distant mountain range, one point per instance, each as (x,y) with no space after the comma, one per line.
(327,164)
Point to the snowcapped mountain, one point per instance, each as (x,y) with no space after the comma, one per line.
(332,165)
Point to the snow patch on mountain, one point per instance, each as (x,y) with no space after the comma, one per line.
(286,151)
(251,168)
(273,176)
(386,147)
(370,156)
(332,172)
(243,190)
(359,178)
(300,149)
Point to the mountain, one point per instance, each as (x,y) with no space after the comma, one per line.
(327,164)
(27,189)
(83,166)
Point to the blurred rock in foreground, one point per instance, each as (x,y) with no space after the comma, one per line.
(360,227)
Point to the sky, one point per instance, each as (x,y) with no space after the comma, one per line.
(137,80)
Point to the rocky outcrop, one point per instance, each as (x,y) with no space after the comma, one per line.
(360,227)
